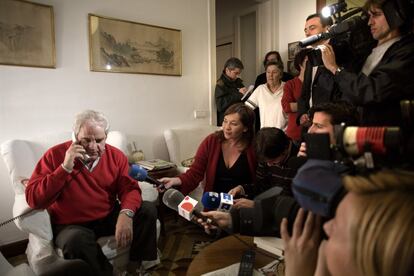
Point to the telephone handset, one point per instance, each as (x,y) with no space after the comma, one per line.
(86,156)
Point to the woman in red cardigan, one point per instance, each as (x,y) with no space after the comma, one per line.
(225,158)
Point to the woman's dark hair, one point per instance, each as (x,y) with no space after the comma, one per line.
(300,57)
(278,57)
(271,142)
(246,118)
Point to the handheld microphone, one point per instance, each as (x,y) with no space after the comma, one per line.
(173,199)
(186,206)
(221,202)
(139,173)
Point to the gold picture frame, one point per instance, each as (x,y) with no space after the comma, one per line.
(293,48)
(27,34)
(123,46)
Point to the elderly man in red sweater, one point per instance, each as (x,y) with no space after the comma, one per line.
(84,185)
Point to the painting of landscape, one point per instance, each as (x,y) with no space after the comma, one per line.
(129,47)
(27,35)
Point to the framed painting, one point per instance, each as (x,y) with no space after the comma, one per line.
(27,34)
(291,68)
(129,47)
(293,48)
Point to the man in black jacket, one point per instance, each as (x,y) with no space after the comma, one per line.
(229,88)
(387,76)
(318,83)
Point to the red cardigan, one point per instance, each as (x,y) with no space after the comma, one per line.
(291,94)
(82,196)
(205,164)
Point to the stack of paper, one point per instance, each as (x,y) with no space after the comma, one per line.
(155,164)
(272,245)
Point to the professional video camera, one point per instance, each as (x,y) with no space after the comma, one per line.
(350,36)
(367,148)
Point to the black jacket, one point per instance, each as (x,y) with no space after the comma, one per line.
(380,93)
(323,89)
(226,94)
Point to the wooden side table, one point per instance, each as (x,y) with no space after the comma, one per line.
(222,253)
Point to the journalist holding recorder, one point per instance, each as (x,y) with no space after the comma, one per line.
(387,75)
(84,185)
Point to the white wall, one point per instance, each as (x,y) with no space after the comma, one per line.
(292,15)
(35,101)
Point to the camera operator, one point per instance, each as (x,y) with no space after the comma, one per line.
(324,116)
(387,75)
(318,83)
(372,226)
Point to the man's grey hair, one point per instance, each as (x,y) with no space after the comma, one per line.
(93,116)
(233,63)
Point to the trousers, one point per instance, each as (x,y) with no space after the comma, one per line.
(78,241)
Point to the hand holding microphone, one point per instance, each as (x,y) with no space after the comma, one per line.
(139,173)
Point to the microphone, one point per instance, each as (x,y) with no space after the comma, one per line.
(186,206)
(221,202)
(173,199)
(139,173)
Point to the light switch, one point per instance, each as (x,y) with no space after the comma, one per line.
(198,114)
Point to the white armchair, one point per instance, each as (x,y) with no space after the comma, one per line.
(182,144)
(21,157)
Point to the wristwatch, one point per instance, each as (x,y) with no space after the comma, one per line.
(127,212)
(338,70)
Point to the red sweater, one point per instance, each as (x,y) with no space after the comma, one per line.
(82,196)
(291,94)
(205,164)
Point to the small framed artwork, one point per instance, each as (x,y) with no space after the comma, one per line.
(27,34)
(122,46)
(293,48)
(291,68)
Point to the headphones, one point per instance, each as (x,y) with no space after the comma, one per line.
(398,12)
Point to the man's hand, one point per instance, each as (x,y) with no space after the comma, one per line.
(243,90)
(243,203)
(302,150)
(304,120)
(170,181)
(238,190)
(328,57)
(301,249)
(123,230)
(74,151)
(222,219)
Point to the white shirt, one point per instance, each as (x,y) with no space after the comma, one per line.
(271,111)
(376,55)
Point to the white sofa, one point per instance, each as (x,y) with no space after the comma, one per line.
(182,144)
(20,157)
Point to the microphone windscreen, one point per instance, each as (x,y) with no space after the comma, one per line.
(210,200)
(137,172)
(172,198)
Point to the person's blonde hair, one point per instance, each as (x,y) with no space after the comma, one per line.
(383,225)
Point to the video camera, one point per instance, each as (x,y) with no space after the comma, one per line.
(368,148)
(350,36)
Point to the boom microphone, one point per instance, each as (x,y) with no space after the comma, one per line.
(139,173)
